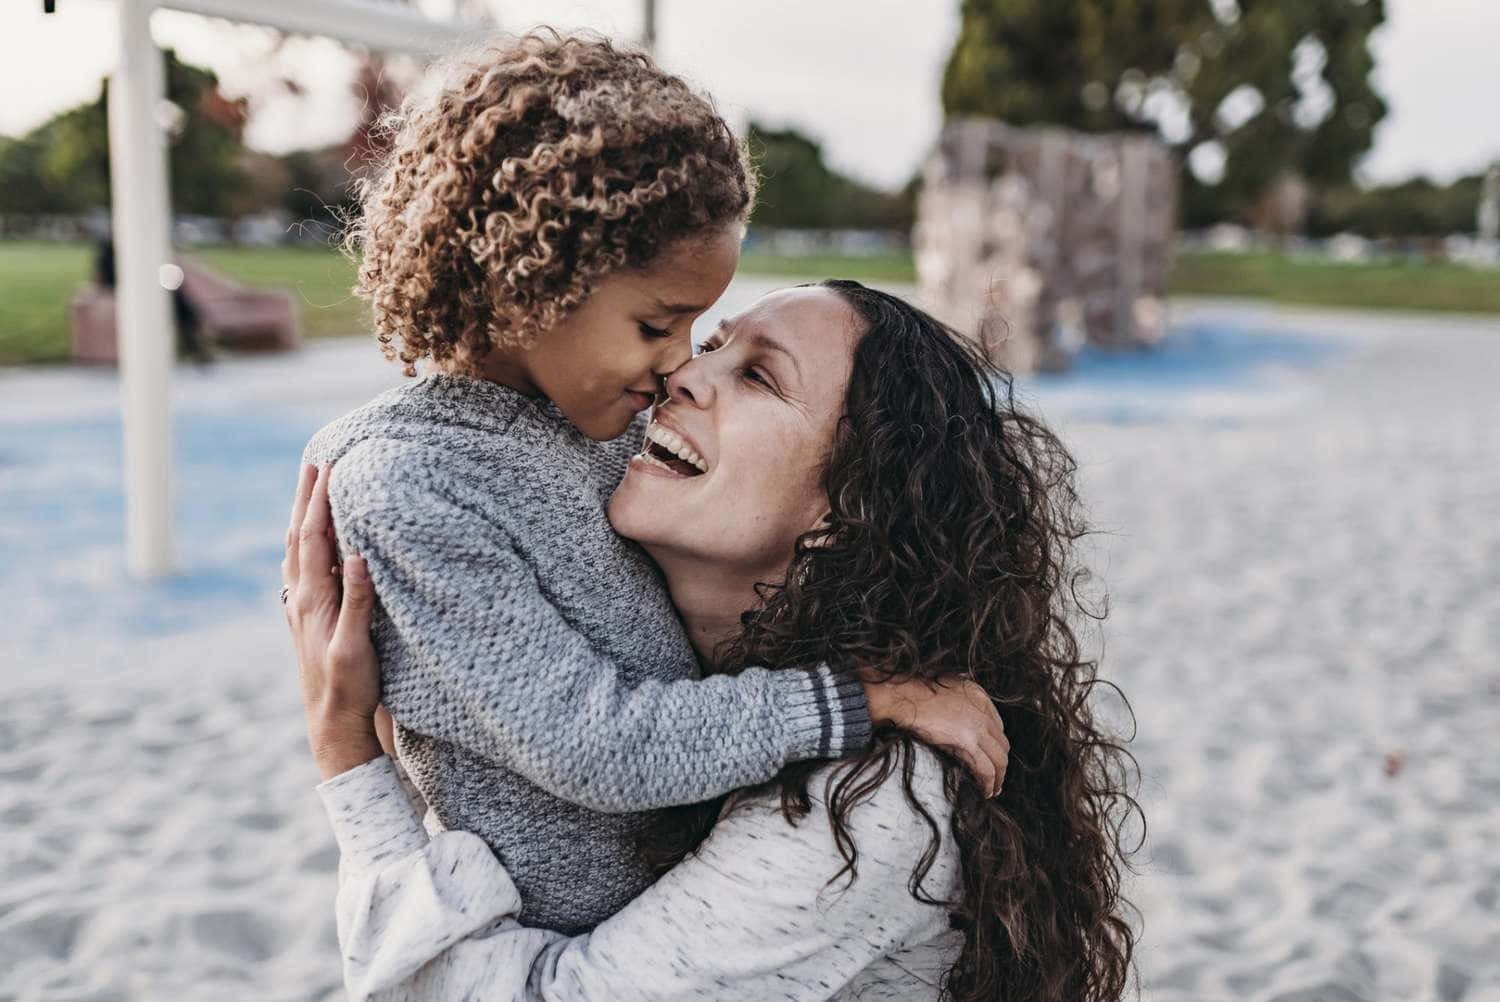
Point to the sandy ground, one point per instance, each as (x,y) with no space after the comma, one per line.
(1300,518)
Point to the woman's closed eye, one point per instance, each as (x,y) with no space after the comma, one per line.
(753,375)
(750,373)
(652,333)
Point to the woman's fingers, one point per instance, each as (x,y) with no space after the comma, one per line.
(999,753)
(318,589)
(988,761)
(290,565)
(352,634)
(983,768)
(990,747)
(385,729)
(351,688)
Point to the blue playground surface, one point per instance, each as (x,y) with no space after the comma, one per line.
(240,427)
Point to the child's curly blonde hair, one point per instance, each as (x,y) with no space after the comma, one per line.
(545,163)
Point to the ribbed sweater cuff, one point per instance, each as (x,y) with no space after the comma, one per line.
(850,731)
(372,818)
(829,716)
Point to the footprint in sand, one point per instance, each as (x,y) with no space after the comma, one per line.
(239,934)
(31,932)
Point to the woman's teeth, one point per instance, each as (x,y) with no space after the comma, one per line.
(673,443)
(651,460)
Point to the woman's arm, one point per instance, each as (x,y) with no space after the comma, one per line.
(750,916)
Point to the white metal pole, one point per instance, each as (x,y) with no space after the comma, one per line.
(141,209)
(144,322)
(383,26)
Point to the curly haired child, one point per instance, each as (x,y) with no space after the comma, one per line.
(545,230)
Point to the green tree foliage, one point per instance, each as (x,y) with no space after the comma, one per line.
(798,190)
(1273,85)
(21,187)
(1418,207)
(63,164)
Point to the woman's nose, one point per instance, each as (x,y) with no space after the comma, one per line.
(691,383)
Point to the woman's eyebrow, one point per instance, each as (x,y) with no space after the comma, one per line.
(768,343)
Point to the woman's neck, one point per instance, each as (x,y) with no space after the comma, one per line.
(710,598)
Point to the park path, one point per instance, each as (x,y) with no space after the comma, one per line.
(1300,517)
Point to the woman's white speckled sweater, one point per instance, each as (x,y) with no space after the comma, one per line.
(751,917)
(545,694)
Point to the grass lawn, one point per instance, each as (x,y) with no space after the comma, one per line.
(889,267)
(37,281)
(1373,285)
(319,279)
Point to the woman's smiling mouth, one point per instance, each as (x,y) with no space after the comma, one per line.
(668,451)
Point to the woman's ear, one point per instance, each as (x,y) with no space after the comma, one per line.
(823,527)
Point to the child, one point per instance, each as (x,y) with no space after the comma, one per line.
(544,233)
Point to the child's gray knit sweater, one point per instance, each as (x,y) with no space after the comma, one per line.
(545,693)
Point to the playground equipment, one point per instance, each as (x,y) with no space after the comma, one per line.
(1039,240)
(140,210)
(229,314)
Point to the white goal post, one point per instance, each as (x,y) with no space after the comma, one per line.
(141,209)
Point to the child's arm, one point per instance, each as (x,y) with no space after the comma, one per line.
(500,671)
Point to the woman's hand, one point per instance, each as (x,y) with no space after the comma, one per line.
(954,714)
(328,610)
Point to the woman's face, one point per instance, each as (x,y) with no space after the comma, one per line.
(602,364)
(753,417)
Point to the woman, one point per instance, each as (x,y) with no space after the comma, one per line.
(547,224)
(859,461)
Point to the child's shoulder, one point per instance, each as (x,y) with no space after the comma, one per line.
(394,442)
(456,436)
(434,412)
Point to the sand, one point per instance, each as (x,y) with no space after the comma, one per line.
(1300,518)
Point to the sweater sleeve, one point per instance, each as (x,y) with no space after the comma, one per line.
(751,916)
(499,670)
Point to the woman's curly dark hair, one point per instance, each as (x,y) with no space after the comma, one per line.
(543,164)
(948,554)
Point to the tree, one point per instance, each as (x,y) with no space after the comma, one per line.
(63,164)
(21,187)
(205,150)
(1415,207)
(1245,90)
(798,190)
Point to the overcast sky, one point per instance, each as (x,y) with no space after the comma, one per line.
(860,75)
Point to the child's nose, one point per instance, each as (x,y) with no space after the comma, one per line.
(674,355)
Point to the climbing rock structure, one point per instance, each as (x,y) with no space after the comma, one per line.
(1038,240)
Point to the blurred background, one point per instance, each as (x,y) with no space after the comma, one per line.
(1243,254)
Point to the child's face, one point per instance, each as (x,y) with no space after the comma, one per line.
(603,363)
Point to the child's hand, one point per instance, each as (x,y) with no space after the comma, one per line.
(330,627)
(955,714)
